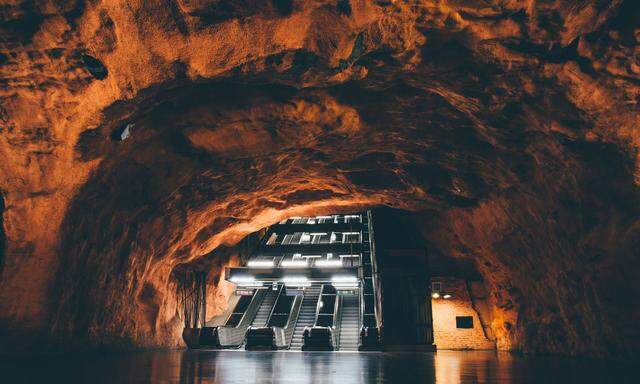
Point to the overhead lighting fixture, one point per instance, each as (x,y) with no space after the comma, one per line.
(294,264)
(447,296)
(260,263)
(295,281)
(344,279)
(242,279)
(329,263)
(344,282)
(435,295)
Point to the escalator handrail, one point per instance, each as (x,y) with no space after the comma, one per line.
(293,318)
(235,335)
(315,319)
(337,321)
(253,308)
(374,271)
(275,303)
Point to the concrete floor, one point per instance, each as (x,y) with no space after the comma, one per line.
(443,367)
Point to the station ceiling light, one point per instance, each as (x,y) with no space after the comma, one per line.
(329,263)
(344,279)
(260,263)
(242,279)
(344,282)
(297,281)
(294,264)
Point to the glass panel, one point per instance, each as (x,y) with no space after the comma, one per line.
(369,304)
(329,289)
(352,237)
(242,304)
(325,321)
(328,304)
(369,321)
(234,319)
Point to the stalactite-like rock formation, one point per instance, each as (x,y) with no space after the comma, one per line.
(510,128)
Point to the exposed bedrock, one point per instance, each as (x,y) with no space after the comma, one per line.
(141,136)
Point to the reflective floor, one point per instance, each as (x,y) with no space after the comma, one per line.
(449,367)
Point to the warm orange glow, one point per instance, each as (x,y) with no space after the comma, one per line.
(456,303)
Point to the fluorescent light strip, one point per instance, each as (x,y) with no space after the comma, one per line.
(344,279)
(295,280)
(242,279)
(328,263)
(294,264)
(345,285)
(260,264)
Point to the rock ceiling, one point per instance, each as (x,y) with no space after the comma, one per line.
(139,135)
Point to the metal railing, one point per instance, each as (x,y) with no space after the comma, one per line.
(374,271)
(293,319)
(337,321)
(229,336)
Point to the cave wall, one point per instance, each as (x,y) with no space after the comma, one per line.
(511,128)
(3,238)
(561,259)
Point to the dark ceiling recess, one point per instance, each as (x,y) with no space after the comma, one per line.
(344,7)
(95,67)
(284,7)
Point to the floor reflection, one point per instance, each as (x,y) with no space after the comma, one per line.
(443,367)
(280,367)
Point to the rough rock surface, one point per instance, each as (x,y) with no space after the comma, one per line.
(511,126)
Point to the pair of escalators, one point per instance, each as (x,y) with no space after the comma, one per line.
(274,331)
(319,319)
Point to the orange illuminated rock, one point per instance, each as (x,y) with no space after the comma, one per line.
(511,128)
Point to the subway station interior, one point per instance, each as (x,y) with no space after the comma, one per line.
(319,283)
(309,286)
(311,191)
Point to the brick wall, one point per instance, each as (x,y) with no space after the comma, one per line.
(446,333)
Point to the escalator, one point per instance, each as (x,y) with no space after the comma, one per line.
(273,326)
(232,333)
(329,302)
(322,335)
(265,309)
(349,329)
(306,316)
